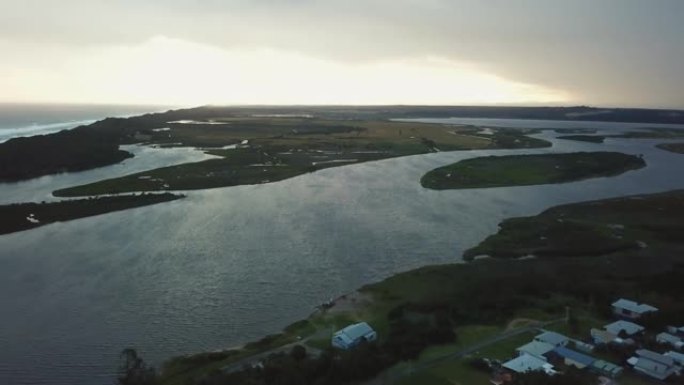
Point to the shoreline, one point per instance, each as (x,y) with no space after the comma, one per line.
(372,302)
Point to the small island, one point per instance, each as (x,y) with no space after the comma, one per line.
(25,216)
(672,147)
(524,170)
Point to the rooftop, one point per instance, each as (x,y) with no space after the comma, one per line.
(536,348)
(629,327)
(356,331)
(552,338)
(653,356)
(575,356)
(527,363)
(607,367)
(676,356)
(667,337)
(633,306)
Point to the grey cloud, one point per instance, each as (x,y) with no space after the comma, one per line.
(608,52)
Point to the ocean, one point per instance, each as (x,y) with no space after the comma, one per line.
(18,120)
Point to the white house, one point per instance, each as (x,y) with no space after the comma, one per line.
(353,335)
(677,331)
(526,363)
(653,364)
(630,328)
(677,357)
(669,339)
(602,337)
(629,309)
(535,349)
(552,338)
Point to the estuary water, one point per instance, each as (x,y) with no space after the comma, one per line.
(226,266)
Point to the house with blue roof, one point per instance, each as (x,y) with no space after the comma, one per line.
(572,358)
(353,335)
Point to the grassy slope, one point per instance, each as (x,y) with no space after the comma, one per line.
(14,217)
(591,228)
(521,170)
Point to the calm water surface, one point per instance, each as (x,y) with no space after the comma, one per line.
(226,266)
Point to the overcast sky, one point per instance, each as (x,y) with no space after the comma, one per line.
(596,52)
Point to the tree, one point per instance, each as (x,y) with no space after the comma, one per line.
(134,371)
(298,353)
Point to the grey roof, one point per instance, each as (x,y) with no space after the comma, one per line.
(629,327)
(575,356)
(602,336)
(669,338)
(552,338)
(536,348)
(657,357)
(676,356)
(606,367)
(525,363)
(633,306)
(356,331)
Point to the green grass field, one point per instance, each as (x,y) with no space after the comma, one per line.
(523,170)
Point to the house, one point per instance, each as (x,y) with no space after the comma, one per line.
(678,358)
(605,368)
(625,308)
(552,338)
(669,339)
(353,335)
(677,331)
(602,337)
(582,346)
(572,358)
(535,349)
(629,328)
(526,363)
(653,364)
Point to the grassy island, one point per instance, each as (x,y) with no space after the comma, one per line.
(25,216)
(672,147)
(523,170)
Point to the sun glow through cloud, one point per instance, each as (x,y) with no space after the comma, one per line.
(171,71)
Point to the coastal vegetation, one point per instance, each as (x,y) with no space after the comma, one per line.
(638,224)
(672,147)
(97,145)
(25,216)
(468,301)
(523,170)
(65,151)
